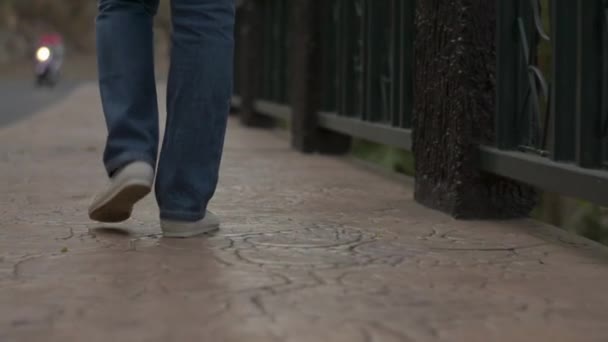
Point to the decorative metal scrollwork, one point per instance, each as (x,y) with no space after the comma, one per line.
(532,101)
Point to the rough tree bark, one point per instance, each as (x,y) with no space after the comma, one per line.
(454,107)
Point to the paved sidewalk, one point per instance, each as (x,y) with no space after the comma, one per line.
(312,249)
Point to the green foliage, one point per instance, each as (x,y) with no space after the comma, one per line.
(392,159)
(590,221)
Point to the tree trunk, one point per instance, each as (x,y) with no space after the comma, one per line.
(305,81)
(454,107)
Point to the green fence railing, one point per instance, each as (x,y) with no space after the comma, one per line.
(367,48)
(553,122)
(358,79)
(365,65)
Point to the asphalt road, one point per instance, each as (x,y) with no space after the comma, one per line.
(19,98)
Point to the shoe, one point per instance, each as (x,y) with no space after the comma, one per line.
(177,229)
(127,187)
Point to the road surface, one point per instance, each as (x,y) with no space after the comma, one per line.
(19,98)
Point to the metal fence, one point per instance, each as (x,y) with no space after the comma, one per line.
(552,66)
(367,62)
(551,124)
(366,67)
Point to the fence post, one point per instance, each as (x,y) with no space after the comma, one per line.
(454,106)
(591,58)
(248,61)
(305,81)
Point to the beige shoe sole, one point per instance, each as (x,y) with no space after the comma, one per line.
(175,229)
(117,205)
(190,233)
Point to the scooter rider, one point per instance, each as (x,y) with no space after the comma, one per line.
(50,51)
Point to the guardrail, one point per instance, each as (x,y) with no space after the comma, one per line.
(493,97)
(552,125)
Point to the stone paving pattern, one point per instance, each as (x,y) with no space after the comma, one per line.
(312,248)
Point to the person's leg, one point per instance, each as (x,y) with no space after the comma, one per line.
(126,80)
(128,93)
(198,97)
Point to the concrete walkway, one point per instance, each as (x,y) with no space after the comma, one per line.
(312,249)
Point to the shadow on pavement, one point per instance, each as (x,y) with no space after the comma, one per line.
(111,231)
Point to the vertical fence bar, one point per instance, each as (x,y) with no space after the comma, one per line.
(406,49)
(358,55)
(347,37)
(588,123)
(527,95)
(267,48)
(329,56)
(508,55)
(238,27)
(338,53)
(376,15)
(604,108)
(275,46)
(273,49)
(280,43)
(563,107)
(284,48)
(395,64)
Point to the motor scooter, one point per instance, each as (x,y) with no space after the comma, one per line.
(48,66)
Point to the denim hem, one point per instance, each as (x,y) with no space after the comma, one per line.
(182,216)
(126,158)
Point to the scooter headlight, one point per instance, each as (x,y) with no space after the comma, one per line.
(43,54)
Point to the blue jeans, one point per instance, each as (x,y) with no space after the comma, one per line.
(198,96)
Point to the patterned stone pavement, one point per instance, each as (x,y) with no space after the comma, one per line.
(312,249)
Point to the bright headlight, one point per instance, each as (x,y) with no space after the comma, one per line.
(43,54)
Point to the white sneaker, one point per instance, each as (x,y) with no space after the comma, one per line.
(127,187)
(177,229)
